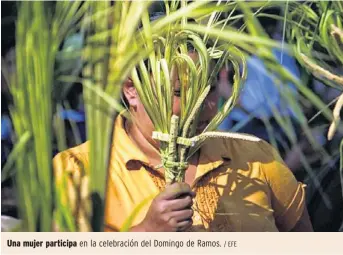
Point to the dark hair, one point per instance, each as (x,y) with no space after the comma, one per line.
(154,15)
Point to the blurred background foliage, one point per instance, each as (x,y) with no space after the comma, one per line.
(294,54)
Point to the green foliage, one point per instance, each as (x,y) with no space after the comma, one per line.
(114,48)
(31,88)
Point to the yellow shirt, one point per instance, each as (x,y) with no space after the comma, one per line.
(241,184)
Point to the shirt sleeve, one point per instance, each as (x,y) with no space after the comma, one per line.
(287,195)
(71,192)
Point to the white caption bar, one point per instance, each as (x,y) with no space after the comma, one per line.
(171,243)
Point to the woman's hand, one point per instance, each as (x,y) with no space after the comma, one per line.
(170,211)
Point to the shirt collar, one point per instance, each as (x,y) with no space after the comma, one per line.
(213,152)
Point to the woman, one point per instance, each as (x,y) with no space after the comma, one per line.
(237,184)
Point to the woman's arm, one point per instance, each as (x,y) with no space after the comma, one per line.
(304,223)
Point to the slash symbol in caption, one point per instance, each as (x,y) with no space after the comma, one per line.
(230,244)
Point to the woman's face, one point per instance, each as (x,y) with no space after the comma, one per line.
(143,122)
(209,108)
